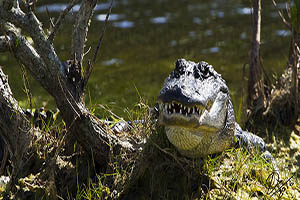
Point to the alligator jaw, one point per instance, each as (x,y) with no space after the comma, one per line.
(208,118)
(196,109)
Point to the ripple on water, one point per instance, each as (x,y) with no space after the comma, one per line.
(113,61)
(58,7)
(211,50)
(197,20)
(244,11)
(112,17)
(159,20)
(216,13)
(123,24)
(283,33)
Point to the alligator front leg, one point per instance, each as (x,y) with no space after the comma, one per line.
(249,140)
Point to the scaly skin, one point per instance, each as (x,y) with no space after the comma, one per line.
(196,109)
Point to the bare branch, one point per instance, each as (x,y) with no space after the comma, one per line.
(50,19)
(60,19)
(103,31)
(281,16)
(27,55)
(81,28)
(91,64)
(31,24)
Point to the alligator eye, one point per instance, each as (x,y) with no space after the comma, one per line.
(204,69)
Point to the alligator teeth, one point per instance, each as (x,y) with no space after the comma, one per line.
(200,111)
(178,108)
(197,110)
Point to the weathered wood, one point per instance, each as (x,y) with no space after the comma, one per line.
(256,96)
(80,30)
(14,128)
(41,60)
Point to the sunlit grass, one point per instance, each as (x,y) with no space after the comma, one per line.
(233,174)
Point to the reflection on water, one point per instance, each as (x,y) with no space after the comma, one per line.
(197,20)
(124,24)
(243,35)
(112,17)
(145,37)
(244,11)
(210,50)
(283,33)
(215,13)
(208,32)
(159,20)
(113,61)
(58,7)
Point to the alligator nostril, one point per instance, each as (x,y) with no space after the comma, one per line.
(196,74)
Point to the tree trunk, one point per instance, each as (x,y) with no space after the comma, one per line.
(14,128)
(63,80)
(280,103)
(256,95)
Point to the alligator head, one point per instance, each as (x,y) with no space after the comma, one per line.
(196,109)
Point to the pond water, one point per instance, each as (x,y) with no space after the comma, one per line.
(144,38)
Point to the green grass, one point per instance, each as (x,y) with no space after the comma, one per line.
(233,174)
(159,171)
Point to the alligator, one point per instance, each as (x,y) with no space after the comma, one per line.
(195,107)
(197,112)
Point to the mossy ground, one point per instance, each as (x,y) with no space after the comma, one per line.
(157,171)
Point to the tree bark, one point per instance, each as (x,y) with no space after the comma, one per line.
(61,79)
(14,127)
(256,95)
(281,101)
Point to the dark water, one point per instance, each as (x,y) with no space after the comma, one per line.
(145,37)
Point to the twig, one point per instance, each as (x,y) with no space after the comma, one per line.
(91,64)
(50,19)
(281,16)
(103,31)
(60,19)
(26,85)
(80,29)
